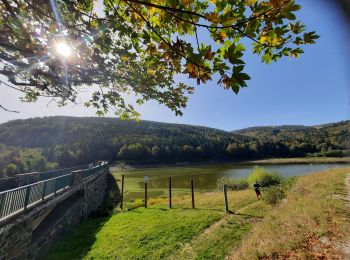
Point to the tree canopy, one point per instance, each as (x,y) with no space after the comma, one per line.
(59,48)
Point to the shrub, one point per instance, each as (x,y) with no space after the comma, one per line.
(332,153)
(264,178)
(274,194)
(233,184)
(289,182)
(11,170)
(134,204)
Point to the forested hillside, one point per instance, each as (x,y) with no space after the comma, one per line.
(325,139)
(45,143)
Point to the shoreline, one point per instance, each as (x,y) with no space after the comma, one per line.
(270,161)
(319,160)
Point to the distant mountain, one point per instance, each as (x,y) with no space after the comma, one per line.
(258,130)
(48,131)
(329,135)
(49,142)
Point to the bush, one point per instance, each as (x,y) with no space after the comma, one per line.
(11,170)
(233,184)
(274,194)
(264,178)
(138,203)
(332,153)
(289,182)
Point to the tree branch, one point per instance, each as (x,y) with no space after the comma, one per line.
(8,110)
(165,8)
(15,18)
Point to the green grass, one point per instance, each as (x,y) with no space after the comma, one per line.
(151,233)
(157,232)
(314,208)
(216,244)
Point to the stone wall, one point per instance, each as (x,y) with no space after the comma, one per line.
(32,233)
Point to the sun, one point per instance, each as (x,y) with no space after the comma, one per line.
(63,49)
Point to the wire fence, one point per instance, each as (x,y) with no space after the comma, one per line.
(177,192)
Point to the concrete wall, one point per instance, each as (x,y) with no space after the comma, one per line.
(32,233)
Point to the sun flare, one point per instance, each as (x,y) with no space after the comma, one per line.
(63,49)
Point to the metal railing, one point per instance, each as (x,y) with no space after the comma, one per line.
(17,200)
(56,173)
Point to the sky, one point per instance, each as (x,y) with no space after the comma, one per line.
(311,90)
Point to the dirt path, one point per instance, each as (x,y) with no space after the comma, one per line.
(188,249)
(345,246)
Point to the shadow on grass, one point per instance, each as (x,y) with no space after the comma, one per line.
(157,208)
(79,242)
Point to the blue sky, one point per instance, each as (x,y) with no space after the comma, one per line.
(313,89)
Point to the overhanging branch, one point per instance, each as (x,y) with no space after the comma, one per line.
(8,110)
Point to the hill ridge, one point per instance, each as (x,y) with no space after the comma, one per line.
(60,141)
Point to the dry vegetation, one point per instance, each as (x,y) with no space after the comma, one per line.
(302,160)
(308,225)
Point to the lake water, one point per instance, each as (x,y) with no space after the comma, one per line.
(204,176)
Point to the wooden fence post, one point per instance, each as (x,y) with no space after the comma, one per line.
(145,194)
(170,192)
(225,197)
(192,191)
(122,195)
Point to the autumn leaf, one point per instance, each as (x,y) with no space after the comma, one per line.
(221,36)
(250,2)
(212,17)
(276,3)
(186,2)
(209,55)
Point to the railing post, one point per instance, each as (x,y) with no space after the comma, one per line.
(192,191)
(77,177)
(2,199)
(122,195)
(26,200)
(225,197)
(72,179)
(170,193)
(55,186)
(44,190)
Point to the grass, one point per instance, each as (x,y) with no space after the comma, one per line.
(157,232)
(315,211)
(216,244)
(139,234)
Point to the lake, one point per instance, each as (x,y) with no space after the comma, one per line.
(204,177)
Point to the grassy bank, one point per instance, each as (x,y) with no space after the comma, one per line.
(311,224)
(301,160)
(314,211)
